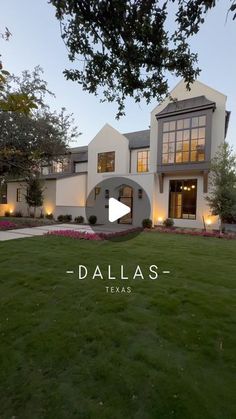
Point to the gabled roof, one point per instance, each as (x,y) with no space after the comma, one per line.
(138,139)
(187,105)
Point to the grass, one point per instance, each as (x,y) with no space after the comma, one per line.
(70,350)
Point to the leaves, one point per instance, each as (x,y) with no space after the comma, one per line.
(222,199)
(126,48)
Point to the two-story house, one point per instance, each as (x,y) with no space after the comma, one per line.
(170,162)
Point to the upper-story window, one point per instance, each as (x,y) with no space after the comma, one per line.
(106,162)
(184,140)
(143,161)
(57,166)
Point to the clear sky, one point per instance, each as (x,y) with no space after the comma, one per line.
(36,40)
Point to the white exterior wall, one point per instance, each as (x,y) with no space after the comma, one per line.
(108,139)
(71,191)
(49,195)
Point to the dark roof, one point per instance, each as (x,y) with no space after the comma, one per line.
(186,105)
(138,139)
(53,176)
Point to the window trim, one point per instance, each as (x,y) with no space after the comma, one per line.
(19,194)
(147,160)
(200,165)
(169,208)
(105,153)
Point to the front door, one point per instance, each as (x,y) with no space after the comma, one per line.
(126,197)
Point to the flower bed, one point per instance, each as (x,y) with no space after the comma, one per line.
(73,234)
(202,233)
(7,225)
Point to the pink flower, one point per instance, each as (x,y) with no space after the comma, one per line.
(79,235)
(7,225)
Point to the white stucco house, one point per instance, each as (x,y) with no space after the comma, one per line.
(170,161)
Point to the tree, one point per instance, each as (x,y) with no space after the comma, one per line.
(31,135)
(34,193)
(28,141)
(222,199)
(125,48)
(23,94)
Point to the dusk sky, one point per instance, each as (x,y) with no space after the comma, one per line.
(36,41)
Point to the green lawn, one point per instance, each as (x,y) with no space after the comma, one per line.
(70,350)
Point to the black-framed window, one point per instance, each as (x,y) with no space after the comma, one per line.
(143,161)
(3,193)
(106,162)
(183,140)
(183,199)
(19,195)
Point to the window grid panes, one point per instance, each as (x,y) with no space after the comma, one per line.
(106,162)
(184,140)
(143,161)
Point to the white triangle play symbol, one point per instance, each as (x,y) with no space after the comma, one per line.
(117,210)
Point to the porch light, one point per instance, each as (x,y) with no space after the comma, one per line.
(160,219)
(11,211)
(208,222)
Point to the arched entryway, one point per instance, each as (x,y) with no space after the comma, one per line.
(126,197)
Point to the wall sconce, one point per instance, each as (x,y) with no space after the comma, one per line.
(140,194)
(208,222)
(160,219)
(106,193)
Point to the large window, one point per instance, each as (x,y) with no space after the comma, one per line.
(106,162)
(184,140)
(182,199)
(143,161)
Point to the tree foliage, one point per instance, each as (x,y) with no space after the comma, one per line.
(31,134)
(126,48)
(23,94)
(27,141)
(222,199)
(34,193)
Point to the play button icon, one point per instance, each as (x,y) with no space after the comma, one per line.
(117,210)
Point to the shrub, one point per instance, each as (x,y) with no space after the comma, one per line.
(66,218)
(168,222)
(92,219)
(79,219)
(7,214)
(48,216)
(147,223)
(18,214)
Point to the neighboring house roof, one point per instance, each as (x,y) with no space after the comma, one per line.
(187,105)
(138,139)
(53,176)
